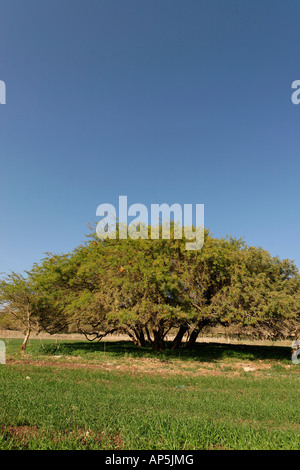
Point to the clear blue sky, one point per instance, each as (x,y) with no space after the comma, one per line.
(160,100)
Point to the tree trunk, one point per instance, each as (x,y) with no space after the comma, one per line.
(137,336)
(192,340)
(23,347)
(194,335)
(158,343)
(132,336)
(140,337)
(178,338)
(148,335)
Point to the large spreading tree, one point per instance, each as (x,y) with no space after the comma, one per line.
(150,289)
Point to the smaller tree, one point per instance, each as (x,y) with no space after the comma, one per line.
(18,298)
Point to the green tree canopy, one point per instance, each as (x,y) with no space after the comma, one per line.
(151,288)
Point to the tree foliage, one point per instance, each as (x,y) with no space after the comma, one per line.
(18,299)
(151,288)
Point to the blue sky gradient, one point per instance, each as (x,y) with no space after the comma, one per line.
(163,101)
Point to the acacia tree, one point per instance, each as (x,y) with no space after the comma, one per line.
(18,299)
(148,288)
(37,301)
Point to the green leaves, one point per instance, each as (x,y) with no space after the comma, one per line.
(147,287)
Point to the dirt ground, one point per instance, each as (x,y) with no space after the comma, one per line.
(147,365)
(153,366)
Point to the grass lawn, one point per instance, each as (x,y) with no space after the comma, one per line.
(113,395)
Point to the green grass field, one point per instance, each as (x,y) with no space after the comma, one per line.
(113,395)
